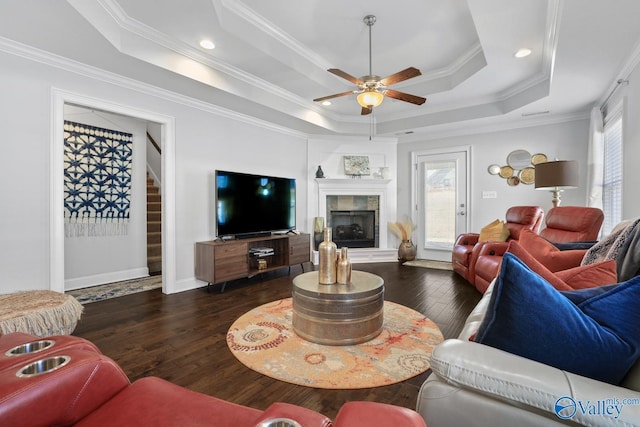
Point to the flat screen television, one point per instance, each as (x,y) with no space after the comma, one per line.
(252,205)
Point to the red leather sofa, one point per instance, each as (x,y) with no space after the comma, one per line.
(71,382)
(564,224)
(467,247)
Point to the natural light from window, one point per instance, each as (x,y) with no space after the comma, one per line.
(612,178)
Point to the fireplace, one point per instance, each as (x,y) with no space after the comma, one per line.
(354,220)
(353,197)
(354,228)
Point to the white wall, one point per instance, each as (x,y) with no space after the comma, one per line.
(329,153)
(205,139)
(566,141)
(93,260)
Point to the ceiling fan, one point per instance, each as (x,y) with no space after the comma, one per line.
(371,88)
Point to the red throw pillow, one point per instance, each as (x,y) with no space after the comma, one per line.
(585,276)
(591,275)
(547,254)
(516,248)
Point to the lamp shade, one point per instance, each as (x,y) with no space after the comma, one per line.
(556,175)
(370,98)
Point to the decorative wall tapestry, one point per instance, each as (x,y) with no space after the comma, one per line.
(97,180)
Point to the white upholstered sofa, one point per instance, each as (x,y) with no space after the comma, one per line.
(473,384)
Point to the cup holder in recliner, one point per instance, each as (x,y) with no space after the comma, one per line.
(279,422)
(43,366)
(30,347)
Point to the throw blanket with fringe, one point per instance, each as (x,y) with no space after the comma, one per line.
(97,180)
(623,246)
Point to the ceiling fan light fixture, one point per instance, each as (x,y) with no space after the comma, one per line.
(371,89)
(370,98)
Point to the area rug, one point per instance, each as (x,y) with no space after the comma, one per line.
(426,263)
(116,289)
(263,340)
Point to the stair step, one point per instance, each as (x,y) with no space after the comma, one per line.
(154,264)
(154,250)
(154,227)
(154,206)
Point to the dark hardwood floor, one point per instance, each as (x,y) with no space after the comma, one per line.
(181,337)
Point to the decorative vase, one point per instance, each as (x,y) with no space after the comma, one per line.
(327,253)
(407,251)
(319,172)
(343,267)
(318,231)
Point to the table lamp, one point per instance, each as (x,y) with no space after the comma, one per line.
(556,176)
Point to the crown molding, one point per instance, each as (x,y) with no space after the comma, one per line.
(46,58)
(498,124)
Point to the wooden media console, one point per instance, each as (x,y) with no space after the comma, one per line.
(221,261)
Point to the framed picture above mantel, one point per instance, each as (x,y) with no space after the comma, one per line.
(356,165)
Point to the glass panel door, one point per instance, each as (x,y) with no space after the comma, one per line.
(441,203)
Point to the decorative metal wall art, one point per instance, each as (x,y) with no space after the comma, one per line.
(520,167)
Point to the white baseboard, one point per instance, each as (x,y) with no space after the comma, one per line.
(188,284)
(100,279)
(366,255)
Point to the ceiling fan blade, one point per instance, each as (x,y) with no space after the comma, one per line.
(400,76)
(324,98)
(345,76)
(418,100)
(366,110)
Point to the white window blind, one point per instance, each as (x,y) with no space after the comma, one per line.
(612,179)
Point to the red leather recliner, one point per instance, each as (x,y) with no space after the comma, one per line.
(572,224)
(67,381)
(563,224)
(467,247)
(90,389)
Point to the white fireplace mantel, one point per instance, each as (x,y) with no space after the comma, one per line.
(354,182)
(361,187)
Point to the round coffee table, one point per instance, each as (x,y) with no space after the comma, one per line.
(338,314)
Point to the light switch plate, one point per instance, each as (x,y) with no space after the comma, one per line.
(489,194)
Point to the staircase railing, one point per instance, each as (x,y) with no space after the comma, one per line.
(154,143)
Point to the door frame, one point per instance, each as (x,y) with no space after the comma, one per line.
(415,188)
(56,200)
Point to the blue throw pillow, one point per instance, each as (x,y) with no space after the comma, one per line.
(568,246)
(580,295)
(599,337)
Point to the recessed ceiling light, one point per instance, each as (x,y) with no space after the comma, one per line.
(207,44)
(326,102)
(521,53)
